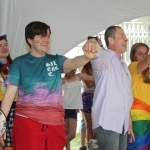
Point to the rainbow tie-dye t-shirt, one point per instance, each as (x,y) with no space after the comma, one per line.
(39,87)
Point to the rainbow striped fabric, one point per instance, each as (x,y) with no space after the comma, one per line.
(140,111)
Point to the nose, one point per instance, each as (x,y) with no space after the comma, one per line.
(126,38)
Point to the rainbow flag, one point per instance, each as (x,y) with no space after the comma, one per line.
(140,113)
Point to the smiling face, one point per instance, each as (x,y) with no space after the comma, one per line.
(4,50)
(141,53)
(118,43)
(40,44)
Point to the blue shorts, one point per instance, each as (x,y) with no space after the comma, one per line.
(87,100)
(70,113)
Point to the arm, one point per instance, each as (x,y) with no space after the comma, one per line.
(83,76)
(8,98)
(89,49)
(6,104)
(87,83)
(100,59)
(142,65)
(99,41)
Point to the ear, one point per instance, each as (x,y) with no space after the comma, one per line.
(111,40)
(30,41)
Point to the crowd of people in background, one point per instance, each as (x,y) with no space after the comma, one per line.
(41,106)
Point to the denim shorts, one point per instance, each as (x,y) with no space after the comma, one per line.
(70,113)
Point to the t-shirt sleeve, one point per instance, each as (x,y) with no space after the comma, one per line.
(135,76)
(61,60)
(13,77)
(133,68)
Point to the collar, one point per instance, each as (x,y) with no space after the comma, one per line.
(113,54)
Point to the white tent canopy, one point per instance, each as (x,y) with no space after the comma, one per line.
(71,21)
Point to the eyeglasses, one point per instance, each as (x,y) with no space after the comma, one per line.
(3,36)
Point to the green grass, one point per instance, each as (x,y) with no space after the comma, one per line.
(75,143)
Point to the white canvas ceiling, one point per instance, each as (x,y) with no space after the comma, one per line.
(71,21)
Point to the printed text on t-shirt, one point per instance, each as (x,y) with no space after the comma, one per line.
(51,67)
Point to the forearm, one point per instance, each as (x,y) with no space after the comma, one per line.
(6,105)
(8,100)
(74,63)
(86,77)
(88,84)
(90,78)
(90,48)
(130,121)
(142,65)
(148,60)
(80,61)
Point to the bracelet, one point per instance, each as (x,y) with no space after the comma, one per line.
(101,46)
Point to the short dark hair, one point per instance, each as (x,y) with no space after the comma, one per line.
(110,32)
(134,49)
(36,28)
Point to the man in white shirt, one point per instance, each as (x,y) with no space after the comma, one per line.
(113,96)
